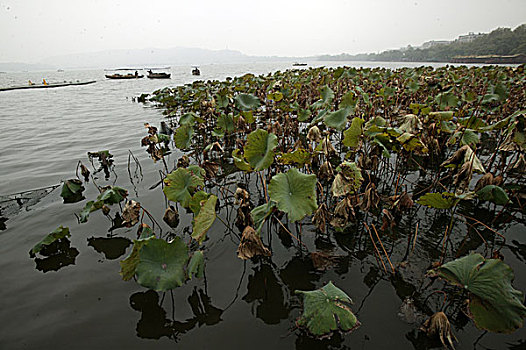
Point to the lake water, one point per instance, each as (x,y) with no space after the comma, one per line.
(86,305)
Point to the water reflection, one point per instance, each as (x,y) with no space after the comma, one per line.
(112,248)
(57,255)
(155,324)
(306,342)
(266,293)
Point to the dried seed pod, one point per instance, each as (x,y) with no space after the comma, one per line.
(438,325)
(171,217)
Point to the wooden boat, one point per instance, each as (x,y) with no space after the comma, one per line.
(46,86)
(196,71)
(297,64)
(152,75)
(126,76)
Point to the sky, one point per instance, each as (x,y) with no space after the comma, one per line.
(31,30)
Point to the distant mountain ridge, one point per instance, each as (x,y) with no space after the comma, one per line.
(140,57)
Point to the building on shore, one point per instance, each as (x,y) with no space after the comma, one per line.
(469,37)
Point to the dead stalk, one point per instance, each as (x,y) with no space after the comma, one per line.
(375,247)
(385,252)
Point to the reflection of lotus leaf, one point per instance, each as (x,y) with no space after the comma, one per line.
(294,193)
(259,150)
(161,264)
(495,305)
(327,310)
(180,185)
(59,233)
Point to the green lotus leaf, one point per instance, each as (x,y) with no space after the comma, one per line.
(412,143)
(304,115)
(222,101)
(196,265)
(444,200)
(259,149)
(275,96)
(326,310)
(493,194)
(181,185)
(300,156)
(261,213)
(294,193)
(240,162)
(327,95)
(129,265)
(442,116)
(226,122)
(352,134)
(446,99)
(348,101)
(161,264)
(113,195)
(495,305)
(338,119)
(90,206)
(188,119)
(183,136)
(247,102)
(195,202)
(204,220)
(59,233)
(72,191)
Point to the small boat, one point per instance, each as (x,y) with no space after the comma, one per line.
(46,86)
(160,75)
(196,71)
(123,76)
(297,64)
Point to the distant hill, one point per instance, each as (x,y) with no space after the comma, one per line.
(17,67)
(501,41)
(152,56)
(140,58)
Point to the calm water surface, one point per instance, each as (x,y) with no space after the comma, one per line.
(86,305)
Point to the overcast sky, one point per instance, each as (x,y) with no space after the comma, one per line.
(34,29)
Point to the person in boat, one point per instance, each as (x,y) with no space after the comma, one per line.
(30,82)
(136,74)
(44,82)
(150,72)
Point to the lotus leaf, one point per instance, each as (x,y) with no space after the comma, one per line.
(327,95)
(247,102)
(188,119)
(444,200)
(259,149)
(183,136)
(129,265)
(348,101)
(348,179)
(196,265)
(494,304)
(113,195)
(261,213)
(181,185)
(59,233)
(240,161)
(300,156)
(204,220)
(493,194)
(304,115)
(326,310)
(352,135)
(294,193)
(72,191)
(195,202)
(161,264)
(226,122)
(338,119)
